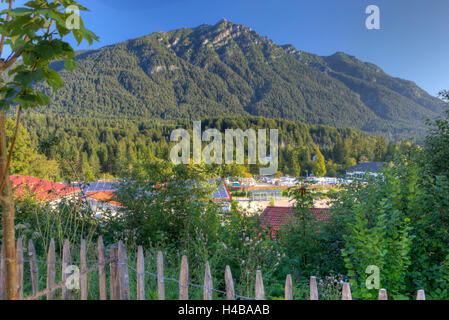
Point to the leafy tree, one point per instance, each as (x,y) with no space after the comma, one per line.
(350,162)
(35,34)
(377,233)
(397,222)
(340,151)
(26,160)
(300,237)
(295,160)
(380,149)
(391,151)
(319,169)
(165,203)
(436,144)
(331,168)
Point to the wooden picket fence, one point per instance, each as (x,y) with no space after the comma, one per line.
(119,288)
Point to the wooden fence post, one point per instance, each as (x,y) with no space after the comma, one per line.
(160,276)
(183,279)
(114,284)
(2,274)
(383,294)
(313,289)
(66,262)
(51,269)
(346,294)
(140,274)
(123,276)
(230,293)
(207,283)
(421,295)
(83,268)
(288,288)
(260,292)
(33,267)
(19,266)
(101,269)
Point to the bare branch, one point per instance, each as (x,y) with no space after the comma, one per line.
(11,148)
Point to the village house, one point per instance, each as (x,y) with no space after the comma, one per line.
(274,218)
(41,190)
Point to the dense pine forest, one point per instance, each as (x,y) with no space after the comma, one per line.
(102,148)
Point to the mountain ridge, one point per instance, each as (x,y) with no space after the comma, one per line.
(227,68)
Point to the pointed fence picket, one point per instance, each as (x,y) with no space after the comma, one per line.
(230,293)
(383,294)
(260,291)
(207,295)
(113,275)
(140,274)
(421,295)
(288,288)
(313,289)
(160,276)
(101,269)
(83,268)
(51,269)
(19,268)
(66,262)
(183,279)
(346,291)
(123,277)
(34,269)
(2,274)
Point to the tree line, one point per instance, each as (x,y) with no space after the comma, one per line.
(64,146)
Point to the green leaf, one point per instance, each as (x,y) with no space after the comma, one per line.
(45,50)
(53,79)
(58,17)
(36,4)
(70,64)
(17,12)
(26,78)
(15,43)
(42,99)
(26,100)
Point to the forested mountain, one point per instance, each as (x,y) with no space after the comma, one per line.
(228,69)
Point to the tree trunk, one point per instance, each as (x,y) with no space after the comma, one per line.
(7,216)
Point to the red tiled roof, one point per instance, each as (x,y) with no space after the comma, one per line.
(279,216)
(43,190)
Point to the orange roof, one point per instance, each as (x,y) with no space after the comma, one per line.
(103,196)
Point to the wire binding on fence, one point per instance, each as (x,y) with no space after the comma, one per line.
(194,285)
(61,284)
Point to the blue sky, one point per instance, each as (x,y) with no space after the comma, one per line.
(413,42)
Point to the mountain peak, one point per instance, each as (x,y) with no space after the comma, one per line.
(224,20)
